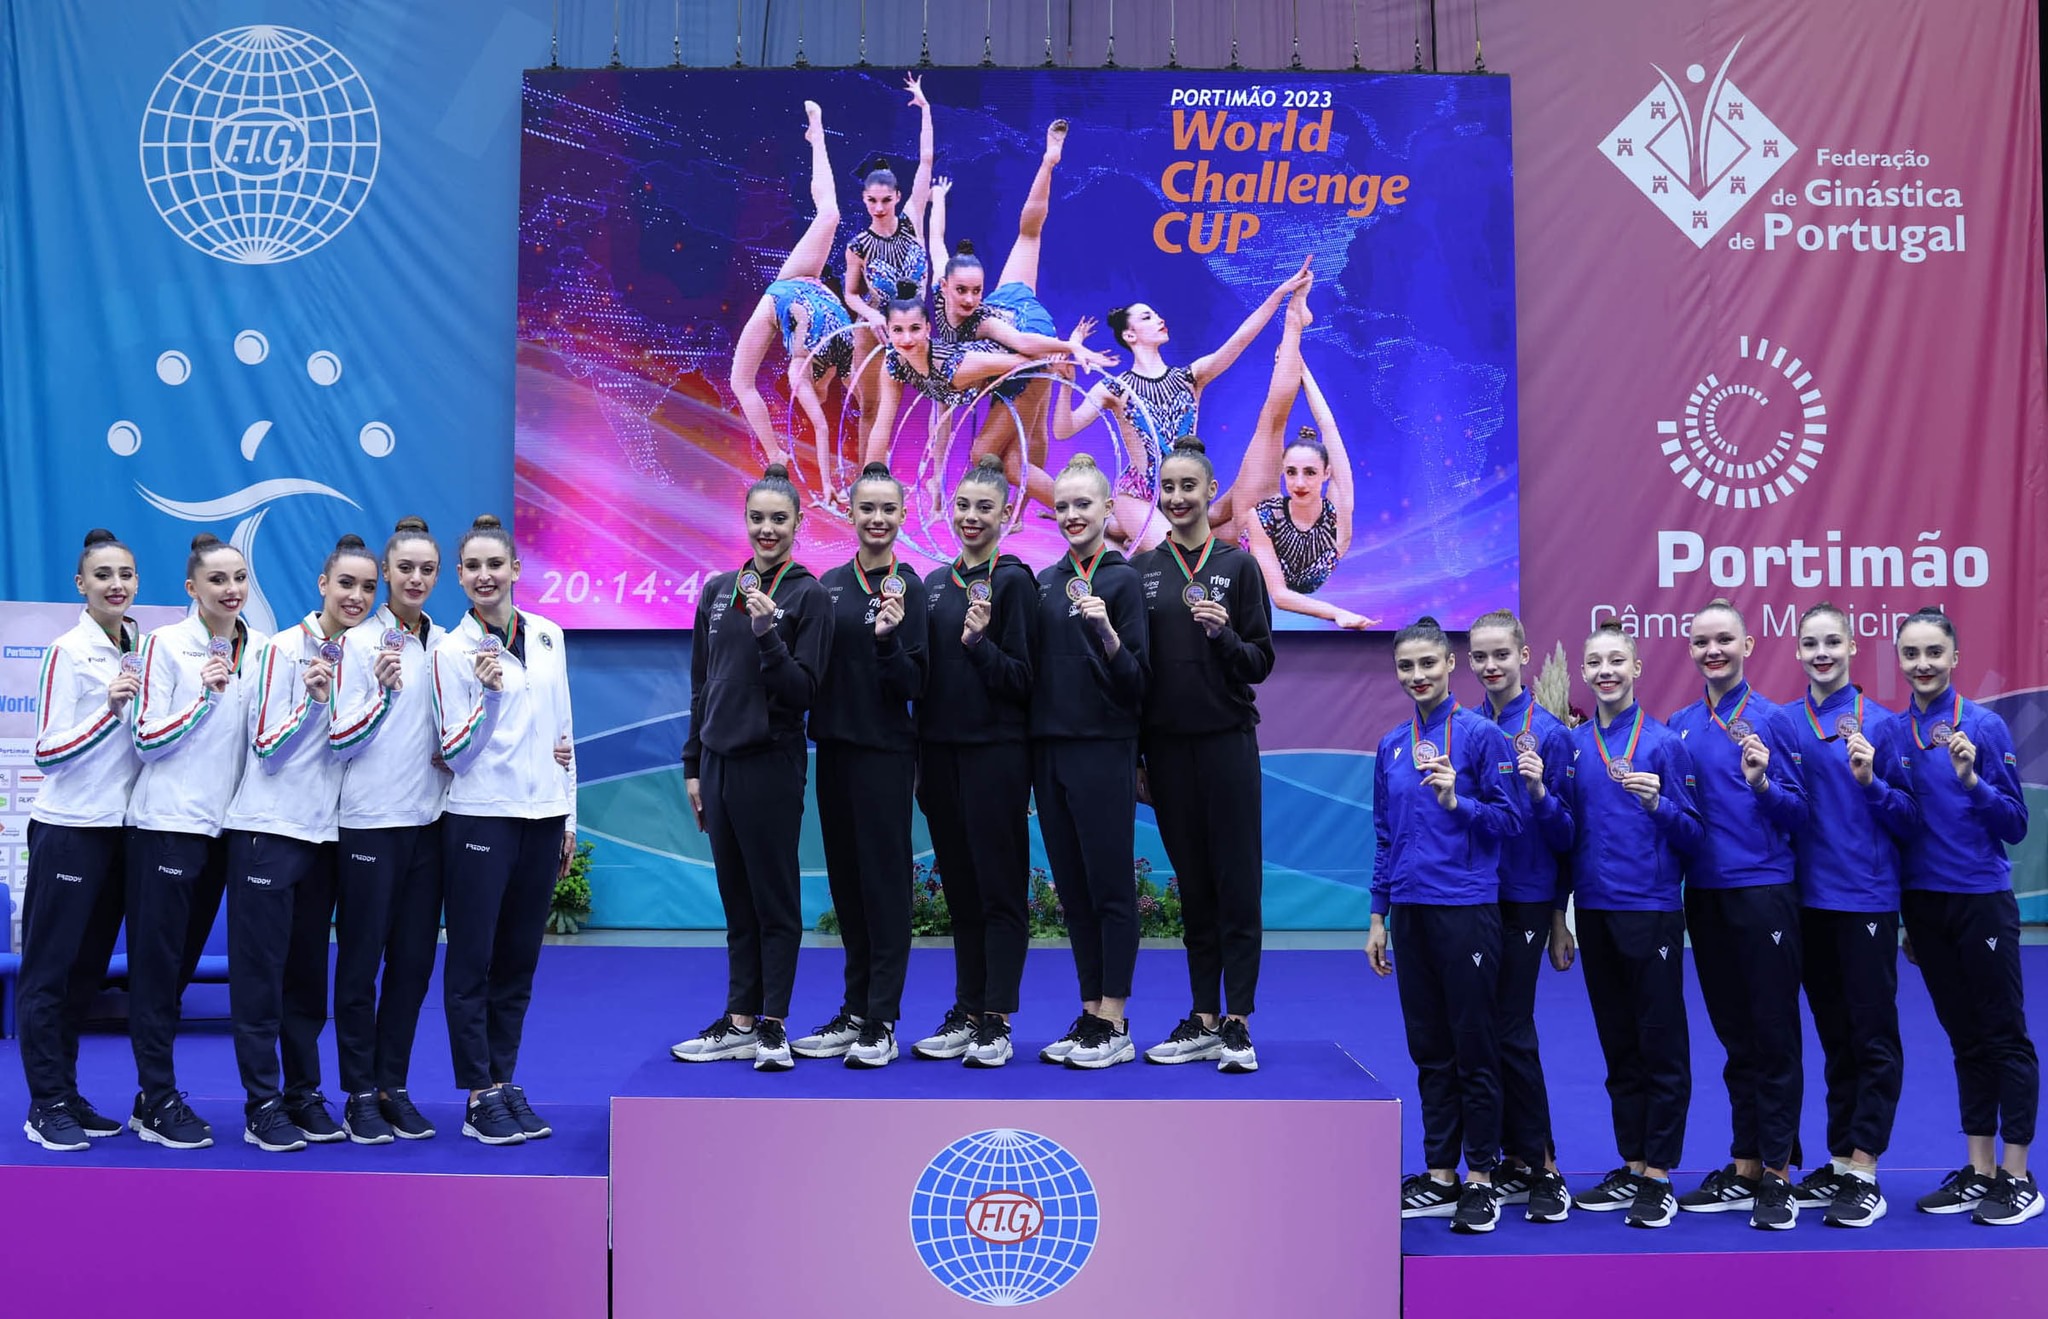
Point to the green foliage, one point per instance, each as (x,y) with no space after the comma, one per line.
(571,904)
(1159,912)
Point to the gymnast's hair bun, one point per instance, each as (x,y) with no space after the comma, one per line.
(1306,433)
(414,523)
(100,536)
(351,541)
(487,522)
(1611,625)
(205,541)
(776,472)
(1427,621)
(1190,444)
(878,471)
(965,247)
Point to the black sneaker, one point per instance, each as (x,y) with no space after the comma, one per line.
(1238,1056)
(489,1121)
(1958,1193)
(1776,1208)
(875,1047)
(1654,1205)
(1819,1186)
(1056,1052)
(771,1049)
(54,1127)
(1478,1209)
(362,1118)
(1857,1203)
(1724,1191)
(530,1122)
(2010,1200)
(405,1118)
(1617,1190)
(271,1130)
(1511,1184)
(170,1122)
(95,1124)
(1104,1043)
(309,1114)
(1423,1196)
(1550,1200)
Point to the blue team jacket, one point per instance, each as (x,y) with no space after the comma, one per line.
(1747,838)
(1956,849)
(1529,860)
(1847,856)
(1625,858)
(1427,854)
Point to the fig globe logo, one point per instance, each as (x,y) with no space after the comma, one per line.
(259,144)
(1004,1217)
(1752,433)
(1698,169)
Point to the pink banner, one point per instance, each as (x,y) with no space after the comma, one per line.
(1781,302)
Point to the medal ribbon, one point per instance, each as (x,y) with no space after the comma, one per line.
(865,589)
(1634,736)
(511,628)
(1208,547)
(1528,715)
(1415,729)
(1813,715)
(1087,574)
(958,568)
(739,596)
(1955,719)
(1740,705)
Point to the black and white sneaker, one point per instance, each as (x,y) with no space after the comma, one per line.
(1550,1200)
(489,1121)
(1617,1190)
(404,1116)
(1056,1052)
(1191,1042)
(1958,1193)
(771,1049)
(991,1045)
(1423,1196)
(95,1124)
(721,1041)
(1776,1209)
(1819,1186)
(309,1114)
(1104,1043)
(950,1040)
(830,1040)
(1511,1184)
(364,1121)
(876,1046)
(533,1124)
(1478,1209)
(1654,1205)
(2010,1200)
(270,1130)
(53,1127)
(1724,1191)
(170,1122)
(1238,1056)
(1857,1203)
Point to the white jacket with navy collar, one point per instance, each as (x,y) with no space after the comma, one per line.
(83,747)
(501,745)
(385,739)
(192,740)
(291,781)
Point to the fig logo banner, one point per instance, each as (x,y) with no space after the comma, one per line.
(1698,169)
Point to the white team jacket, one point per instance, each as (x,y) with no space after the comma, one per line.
(191,739)
(387,739)
(84,749)
(501,744)
(291,780)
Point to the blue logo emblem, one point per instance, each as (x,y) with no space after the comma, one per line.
(1004,1217)
(260,144)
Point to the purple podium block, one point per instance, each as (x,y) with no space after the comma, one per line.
(937,1191)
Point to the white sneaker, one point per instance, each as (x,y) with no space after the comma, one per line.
(991,1046)
(1191,1042)
(771,1048)
(950,1040)
(719,1041)
(1056,1052)
(1237,1053)
(1103,1043)
(830,1040)
(876,1046)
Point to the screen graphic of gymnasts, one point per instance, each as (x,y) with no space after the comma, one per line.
(1008,317)
(888,252)
(1152,405)
(938,370)
(809,316)
(1290,507)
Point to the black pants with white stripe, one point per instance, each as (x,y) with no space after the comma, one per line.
(1968,947)
(71,913)
(1852,986)
(976,801)
(387,917)
(1206,797)
(1746,950)
(1447,965)
(175,883)
(1634,964)
(499,875)
(1524,1098)
(753,811)
(280,919)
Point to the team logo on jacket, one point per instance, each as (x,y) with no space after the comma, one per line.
(1476,958)
(1777,935)
(1992,943)
(1664,953)
(1872,927)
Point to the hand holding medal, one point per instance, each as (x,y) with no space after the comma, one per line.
(1756,761)
(1862,757)
(891,612)
(489,671)
(1962,754)
(126,683)
(214,674)
(319,674)
(1529,764)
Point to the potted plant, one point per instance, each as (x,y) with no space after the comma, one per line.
(571,905)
